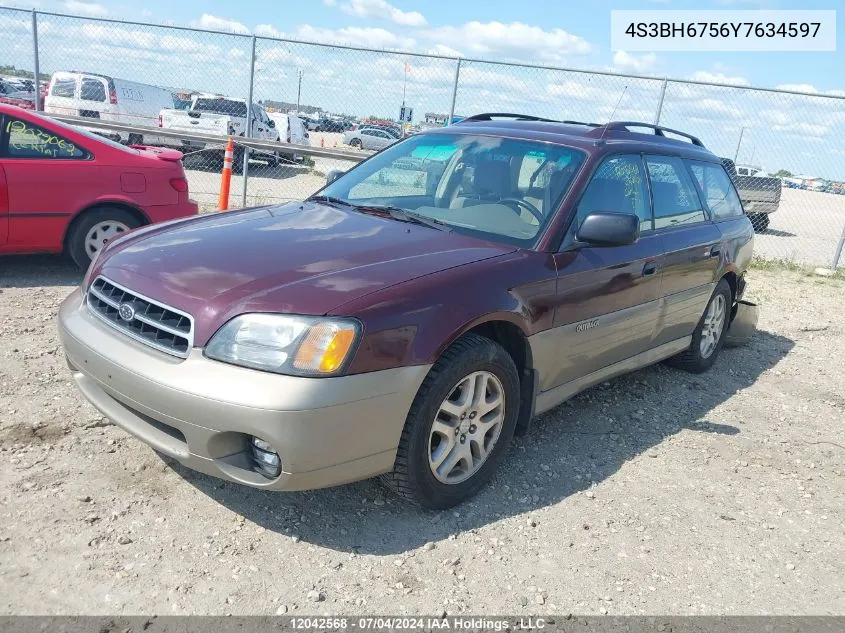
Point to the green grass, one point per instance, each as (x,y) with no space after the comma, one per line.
(779,264)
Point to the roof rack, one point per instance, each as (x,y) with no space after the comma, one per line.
(489,116)
(658,130)
(599,129)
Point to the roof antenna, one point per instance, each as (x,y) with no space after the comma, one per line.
(616,107)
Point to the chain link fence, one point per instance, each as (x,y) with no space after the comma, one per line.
(138,81)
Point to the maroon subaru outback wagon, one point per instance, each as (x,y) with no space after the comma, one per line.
(418,311)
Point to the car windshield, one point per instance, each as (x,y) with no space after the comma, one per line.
(221,106)
(500,189)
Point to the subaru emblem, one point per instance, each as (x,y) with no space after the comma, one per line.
(126,312)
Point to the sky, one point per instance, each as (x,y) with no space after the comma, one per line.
(778,130)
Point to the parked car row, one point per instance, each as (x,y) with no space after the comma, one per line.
(105,98)
(15,93)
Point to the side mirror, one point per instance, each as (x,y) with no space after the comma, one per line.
(333,175)
(609,229)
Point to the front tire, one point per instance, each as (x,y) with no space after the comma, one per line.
(459,426)
(709,336)
(356,144)
(93,229)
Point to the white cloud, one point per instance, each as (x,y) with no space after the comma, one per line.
(634,63)
(803,129)
(513,40)
(119,36)
(383,10)
(85,8)
(799,88)
(718,78)
(442,49)
(775,117)
(268,30)
(355,36)
(208,21)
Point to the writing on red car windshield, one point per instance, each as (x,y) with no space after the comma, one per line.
(29,140)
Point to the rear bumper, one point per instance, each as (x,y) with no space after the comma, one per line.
(203,413)
(760,207)
(185,208)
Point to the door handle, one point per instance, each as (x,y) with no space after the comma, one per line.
(649,269)
(715,251)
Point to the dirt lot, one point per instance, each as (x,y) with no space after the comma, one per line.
(660,492)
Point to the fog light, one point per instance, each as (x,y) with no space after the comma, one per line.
(267,460)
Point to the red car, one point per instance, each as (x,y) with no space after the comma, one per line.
(65,190)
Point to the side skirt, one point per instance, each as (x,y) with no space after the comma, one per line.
(553,397)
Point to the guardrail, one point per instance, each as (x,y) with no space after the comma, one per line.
(258,145)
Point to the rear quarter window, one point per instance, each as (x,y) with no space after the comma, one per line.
(26,140)
(718,190)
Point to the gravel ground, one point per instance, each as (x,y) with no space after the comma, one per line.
(660,492)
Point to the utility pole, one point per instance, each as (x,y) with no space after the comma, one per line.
(298,90)
(741,132)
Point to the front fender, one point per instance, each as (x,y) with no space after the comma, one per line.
(414,322)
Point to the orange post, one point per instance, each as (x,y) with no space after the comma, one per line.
(226,176)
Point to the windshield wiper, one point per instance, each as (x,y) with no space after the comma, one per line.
(403,215)
(329,200)
(397,213)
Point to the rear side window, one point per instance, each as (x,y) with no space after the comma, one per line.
(674,196)
(93,90)
(63,88)
(26,140)
(618,186)
(221,106)
(718,190)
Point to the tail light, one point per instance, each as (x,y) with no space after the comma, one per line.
(160,122)
(179,184)
(289,137)
(112,97)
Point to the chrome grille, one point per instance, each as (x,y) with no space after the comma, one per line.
(149,321)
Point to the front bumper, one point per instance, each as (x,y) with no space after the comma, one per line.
(201,412)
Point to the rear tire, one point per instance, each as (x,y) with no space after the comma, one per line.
(238,160)
(90,231)
(477,372)
(356,144)
(709,335)
(135,139)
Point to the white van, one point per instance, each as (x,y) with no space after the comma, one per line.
(291,130)
(108,99)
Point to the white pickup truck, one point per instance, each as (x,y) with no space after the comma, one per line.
(221,116)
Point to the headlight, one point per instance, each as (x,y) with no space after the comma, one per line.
(286,344)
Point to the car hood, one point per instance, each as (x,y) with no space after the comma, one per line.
(300,258)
